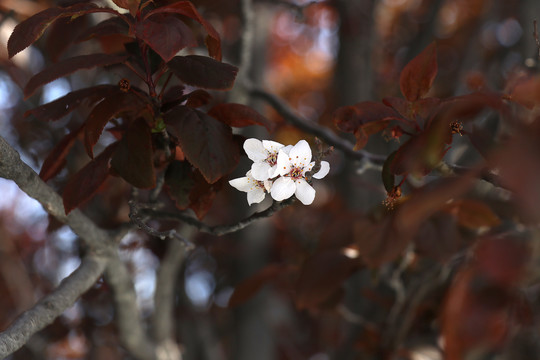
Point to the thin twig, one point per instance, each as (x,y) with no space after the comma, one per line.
(313,128)
(217,230)
(136,218)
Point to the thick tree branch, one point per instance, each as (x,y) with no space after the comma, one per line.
(52,305)
(163,320)
(99,242)
(132,333)
(313,128)
(13,168)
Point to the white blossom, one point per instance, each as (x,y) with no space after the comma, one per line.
(292,168)
(264,156)
(256,190)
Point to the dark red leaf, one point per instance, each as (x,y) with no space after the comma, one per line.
(186,8)
(527,92)
(202,195)
(388,178)
(69,66)
(61,107)
(56,160)
(349,118)
(238,115)
(473,214)
(439,238)
(422,153)
(31,29)
(418,111)
(110,107)
(112,26)
(132,159)
(63,33)
(198,98)
(203,72)
(86,182)
(418,75)
(206,142)
(316,283)
(381,241)
(250,286)
(178,183)
(165,34)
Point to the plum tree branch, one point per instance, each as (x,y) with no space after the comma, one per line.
(217,230)
(52,305)
(323,133)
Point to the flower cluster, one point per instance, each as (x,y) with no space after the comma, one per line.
(278,170)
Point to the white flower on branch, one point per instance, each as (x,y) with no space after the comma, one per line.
(292,168)
(256,190)
(264,156)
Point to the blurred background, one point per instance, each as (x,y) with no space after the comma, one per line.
(297,295)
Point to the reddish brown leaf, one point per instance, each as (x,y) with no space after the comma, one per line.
(418,111)
(69,66)
(202,195)
(198,98)
(502,259)
(56,160)
(112,26)
(381,241)
(165,34)
(250,286)
(63,33)
(418,75)
(61,107)
(86,182)
(518,162)
(527,92)
(350,118)
(178,183)
(203,72)
(110,107)
(186,8)
(206,142)
(132,159)
(473,214)
(475,316)
(439,237)
(316,283)
(238,115)
(28,31)
(422,153)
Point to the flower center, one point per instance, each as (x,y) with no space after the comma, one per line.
(271,159)
(296,173)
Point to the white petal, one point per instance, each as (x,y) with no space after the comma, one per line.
(300,154)
(271,146)
(325,169)
(283,188)
(304,192)
(259,171)
(255,196)
(287,149)
(283,164)
(268,185)
(254,150)
(242,184)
